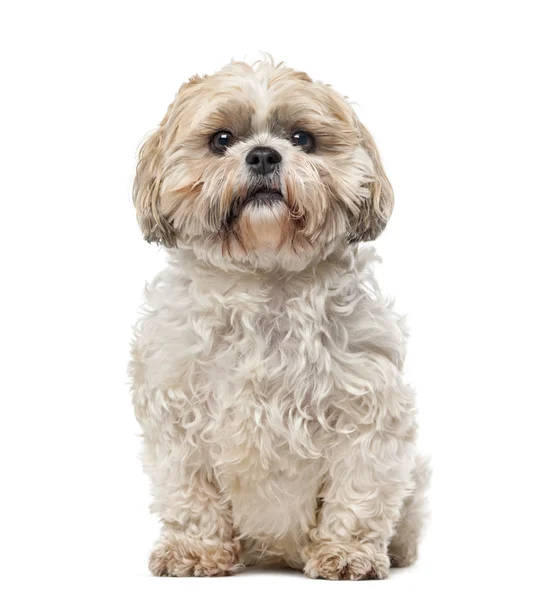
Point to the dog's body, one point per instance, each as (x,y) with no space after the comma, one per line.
(276,423)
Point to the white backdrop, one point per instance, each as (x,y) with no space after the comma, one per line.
(448,91)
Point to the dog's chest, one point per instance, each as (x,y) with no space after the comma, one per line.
(266,369)
(264,388)
(264,444)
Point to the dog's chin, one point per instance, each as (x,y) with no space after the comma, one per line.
(263,220)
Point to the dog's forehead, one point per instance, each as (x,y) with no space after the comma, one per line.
(267,98)
(264,90)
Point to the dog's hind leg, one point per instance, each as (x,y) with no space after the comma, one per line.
(403,549)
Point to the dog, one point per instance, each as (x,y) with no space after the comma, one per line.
(266,367)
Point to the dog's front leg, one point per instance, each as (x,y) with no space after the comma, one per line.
(361,503)
(197,534)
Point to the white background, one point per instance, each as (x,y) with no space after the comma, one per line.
(448,90)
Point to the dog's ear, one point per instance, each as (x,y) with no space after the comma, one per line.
(375,211)
(146,189)
(152,165)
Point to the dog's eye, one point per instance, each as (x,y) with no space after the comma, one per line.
(303,139)
(220,141)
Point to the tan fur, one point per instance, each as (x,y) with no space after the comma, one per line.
(183,194)
(346,561)
(375,214)
(176,557)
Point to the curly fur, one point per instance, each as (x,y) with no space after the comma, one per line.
(267,374)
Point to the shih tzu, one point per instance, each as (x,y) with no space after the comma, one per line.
(267,368)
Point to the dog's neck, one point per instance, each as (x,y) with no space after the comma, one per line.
(339,268)
(262,263)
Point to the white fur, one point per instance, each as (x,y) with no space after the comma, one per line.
(274,411)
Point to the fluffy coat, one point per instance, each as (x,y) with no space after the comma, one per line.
(276,423)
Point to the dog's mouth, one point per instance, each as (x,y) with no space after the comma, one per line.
(256,197)
(264,196)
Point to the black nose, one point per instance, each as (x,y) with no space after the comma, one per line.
(263,160)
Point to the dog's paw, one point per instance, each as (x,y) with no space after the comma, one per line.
(333,560)
(183,557)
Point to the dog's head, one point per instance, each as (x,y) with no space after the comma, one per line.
(259,165)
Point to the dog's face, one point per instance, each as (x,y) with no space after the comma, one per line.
(260,166)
